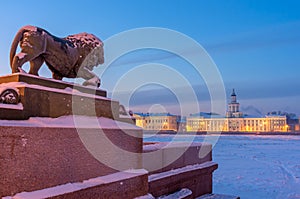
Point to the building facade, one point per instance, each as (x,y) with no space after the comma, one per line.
(205,122)
(236,121)
(157,121)
(233,121)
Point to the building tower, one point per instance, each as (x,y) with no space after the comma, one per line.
(234,107)
(233,96)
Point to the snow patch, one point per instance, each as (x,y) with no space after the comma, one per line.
(173,172)
(18,106)
(70,121)
(183,193)
(67,90)
(153,147)
(148,196)
(73,187)
(55,90)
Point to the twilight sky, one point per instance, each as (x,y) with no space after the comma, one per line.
(254,44)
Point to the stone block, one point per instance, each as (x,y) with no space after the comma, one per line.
(197,178)
(50,83)
(198,153)
(218,196)
(120,188)
(12,112)
(127,184)
(43,152)
(181,194)
(159,157)
(39,101)
(152,157)
(173,156)
(43,97)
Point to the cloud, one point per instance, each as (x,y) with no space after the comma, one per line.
(272,36)
(281,87)
(266,37)
(255,93)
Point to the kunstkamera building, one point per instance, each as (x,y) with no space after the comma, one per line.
(236,121)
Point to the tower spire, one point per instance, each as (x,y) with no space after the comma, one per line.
(233,96)
(234,107)
(233,92)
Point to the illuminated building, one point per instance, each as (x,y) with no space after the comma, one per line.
(156,121)
(205,122)
(236,121)
(233,121)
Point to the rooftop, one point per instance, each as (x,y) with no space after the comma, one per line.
(154,114)
(206,115)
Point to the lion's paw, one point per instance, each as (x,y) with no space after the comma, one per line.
(95,82)
(21,70)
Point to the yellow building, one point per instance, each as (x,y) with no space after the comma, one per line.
(156,121)
(139,119)
(236,121)
(244,124)
(269,123)
(205,122)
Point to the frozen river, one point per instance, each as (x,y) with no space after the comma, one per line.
(252,166)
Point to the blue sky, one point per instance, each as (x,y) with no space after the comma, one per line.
(255,44)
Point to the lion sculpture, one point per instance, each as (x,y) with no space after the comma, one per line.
(71,57)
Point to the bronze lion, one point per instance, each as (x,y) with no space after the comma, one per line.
(71,57)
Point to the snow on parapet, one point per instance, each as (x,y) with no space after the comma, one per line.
(56,90)
(18,106)
(173,172)
(183,193)
(69,121)
(148,196)
(77,186)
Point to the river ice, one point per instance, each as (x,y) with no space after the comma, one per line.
(252,166)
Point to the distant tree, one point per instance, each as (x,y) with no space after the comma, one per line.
(291,117)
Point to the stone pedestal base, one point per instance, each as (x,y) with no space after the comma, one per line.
(42,152)
(197,178)
(50,83)
(128,184)
(179,166)
(61,134)
(38,100)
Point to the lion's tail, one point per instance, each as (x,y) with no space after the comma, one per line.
(15,43)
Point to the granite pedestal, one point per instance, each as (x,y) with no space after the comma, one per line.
(64,140)
(61,133)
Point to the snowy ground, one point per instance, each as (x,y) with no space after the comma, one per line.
(253,166)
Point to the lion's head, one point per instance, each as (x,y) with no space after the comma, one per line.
(91,49)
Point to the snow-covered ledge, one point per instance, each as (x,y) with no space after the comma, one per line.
(59,190)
